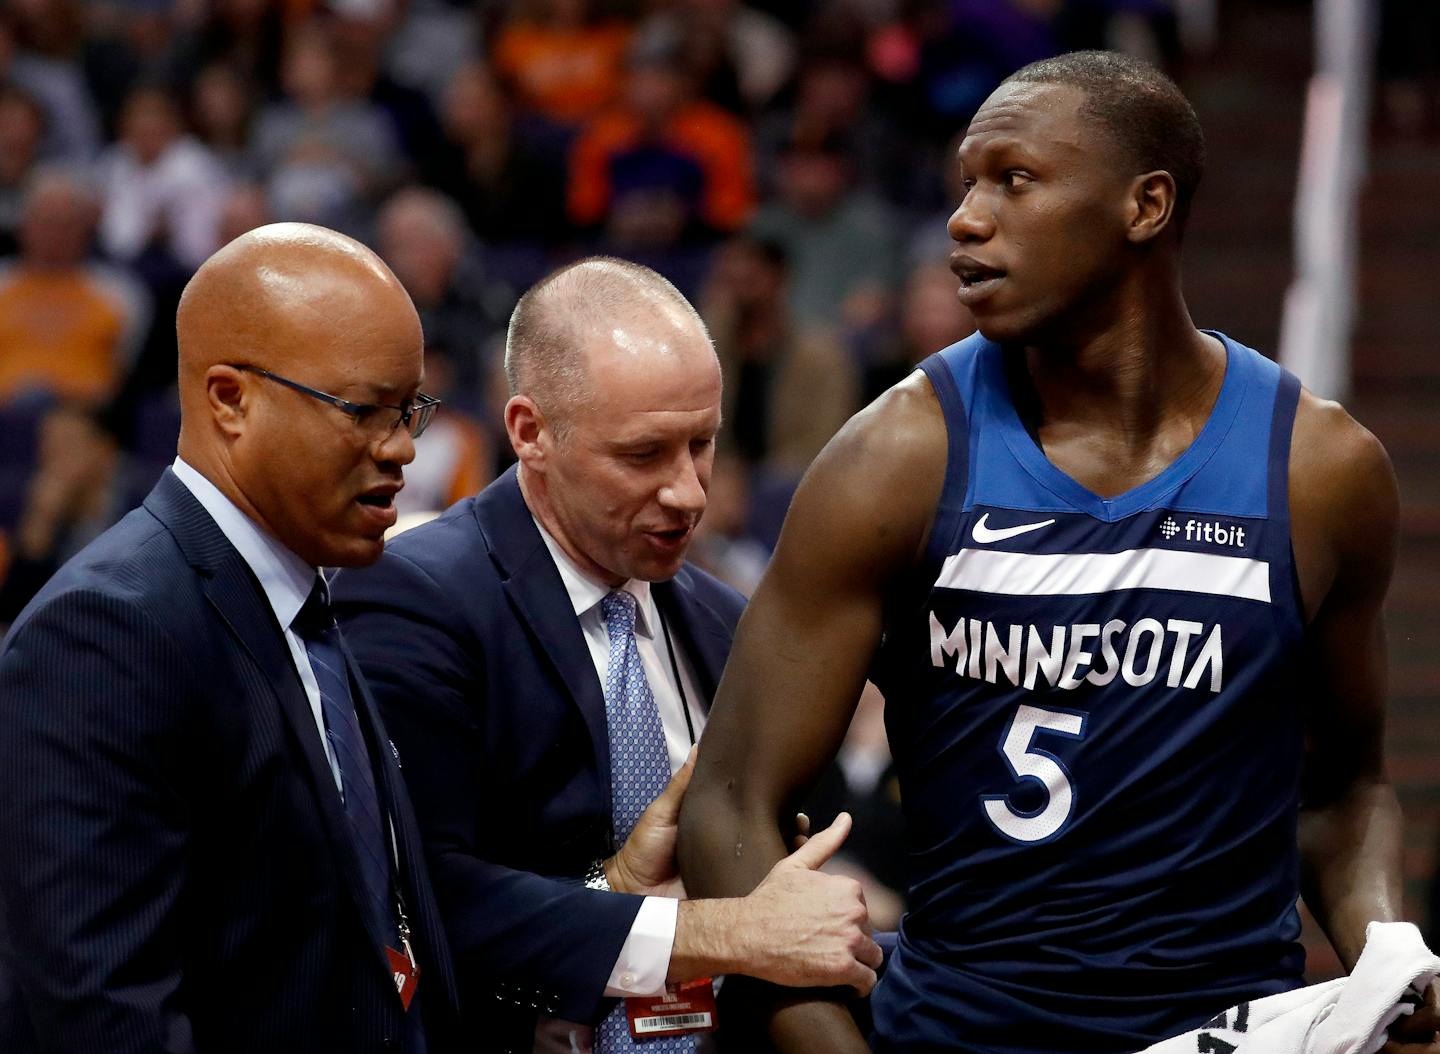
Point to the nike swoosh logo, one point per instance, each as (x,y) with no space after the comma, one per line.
(984,535)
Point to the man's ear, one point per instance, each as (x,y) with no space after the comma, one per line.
(525,425)
(228,397)
(1151,205)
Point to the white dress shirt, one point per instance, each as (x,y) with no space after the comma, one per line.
(645,957)
(284,577)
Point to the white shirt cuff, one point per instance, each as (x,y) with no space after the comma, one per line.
(645,956)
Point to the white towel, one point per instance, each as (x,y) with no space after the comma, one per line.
(1348,1015)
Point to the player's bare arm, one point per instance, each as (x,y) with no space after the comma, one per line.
(1344,509)
(859,521)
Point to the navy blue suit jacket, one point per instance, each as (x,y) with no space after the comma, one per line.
(176,872)
(469,640)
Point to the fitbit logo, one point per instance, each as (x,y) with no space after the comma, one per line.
(1208,532)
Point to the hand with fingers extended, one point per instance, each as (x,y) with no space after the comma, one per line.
(813,928)
(1418,1033)
(799,927)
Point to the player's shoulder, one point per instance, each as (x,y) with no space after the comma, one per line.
(1337,461)
(1344,499)
(902,430)
(872,492)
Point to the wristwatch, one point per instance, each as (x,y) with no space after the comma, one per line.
(595,877)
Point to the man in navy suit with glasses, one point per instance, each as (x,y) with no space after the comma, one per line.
(207,843)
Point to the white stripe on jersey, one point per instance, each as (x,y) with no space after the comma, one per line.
(1072,574)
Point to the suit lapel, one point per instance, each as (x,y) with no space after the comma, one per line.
(533,585)
(236,596)
(698,630)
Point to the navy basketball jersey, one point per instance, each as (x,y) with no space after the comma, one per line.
(1092,711)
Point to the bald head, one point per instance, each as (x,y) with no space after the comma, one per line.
(312,307)
(614,407)
(589,312)
(270,291)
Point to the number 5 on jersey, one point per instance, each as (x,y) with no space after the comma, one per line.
(1027,762)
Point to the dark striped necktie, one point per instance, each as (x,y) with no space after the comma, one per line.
(316,626)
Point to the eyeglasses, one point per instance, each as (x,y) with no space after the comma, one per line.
(374,418)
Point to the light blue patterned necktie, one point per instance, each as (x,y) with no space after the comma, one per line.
(639,771)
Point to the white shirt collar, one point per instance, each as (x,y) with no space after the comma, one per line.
(586,593)
(285,578)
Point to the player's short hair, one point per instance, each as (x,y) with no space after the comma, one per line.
(1142,109)
(544,346)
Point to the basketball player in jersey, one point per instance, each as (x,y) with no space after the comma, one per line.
(1120,582)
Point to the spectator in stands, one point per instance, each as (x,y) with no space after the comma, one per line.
(509,189)
(323,155)
(72,131)
(721,544)
(67,326)
(454,459)
(740,57)
(931,318)
(22,128)
(423,237)
(247,35)
(160,187)
(432,40)
(245,208)
(129,43)
(983,41)
(832,100)
(664,166)
(841,241)
(930,241)
(81,486)
(788,388)
(359,32)
(222,109)
(562,59)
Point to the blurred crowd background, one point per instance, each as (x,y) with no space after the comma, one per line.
(788,164)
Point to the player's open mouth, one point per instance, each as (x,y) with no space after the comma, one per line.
(976,278)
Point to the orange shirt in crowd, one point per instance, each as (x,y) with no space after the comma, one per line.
(701,131)
(68,332)
(563,74)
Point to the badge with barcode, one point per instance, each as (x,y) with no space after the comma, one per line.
(680,1009)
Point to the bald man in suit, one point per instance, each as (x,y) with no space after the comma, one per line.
(208,845)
